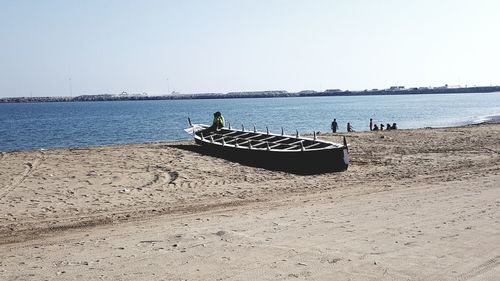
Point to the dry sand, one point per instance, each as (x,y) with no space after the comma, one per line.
(414,205)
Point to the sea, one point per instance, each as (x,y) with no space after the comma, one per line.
(34,126)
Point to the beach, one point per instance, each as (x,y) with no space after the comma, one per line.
(420,204)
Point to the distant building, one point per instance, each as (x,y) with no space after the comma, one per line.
(307,92)
(396,88)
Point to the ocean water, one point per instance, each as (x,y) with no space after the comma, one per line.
(51,125)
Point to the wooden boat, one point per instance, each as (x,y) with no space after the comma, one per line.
(295,154)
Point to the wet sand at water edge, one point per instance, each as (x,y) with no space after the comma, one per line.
(414,205)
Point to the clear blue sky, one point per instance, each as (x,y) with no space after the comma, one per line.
(196,46)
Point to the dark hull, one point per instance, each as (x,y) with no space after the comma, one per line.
(300,162)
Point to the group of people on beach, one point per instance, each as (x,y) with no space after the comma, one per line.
(373,126)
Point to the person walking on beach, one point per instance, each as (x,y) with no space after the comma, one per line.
(218,121)
(335,126)
(371,124)
(349,127)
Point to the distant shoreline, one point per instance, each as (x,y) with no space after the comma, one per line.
(259,94)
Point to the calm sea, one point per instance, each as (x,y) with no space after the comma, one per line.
(49,125)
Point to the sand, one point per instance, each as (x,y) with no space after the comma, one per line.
(414,205)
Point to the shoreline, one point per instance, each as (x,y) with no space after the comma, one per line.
(491,119)
(494,119)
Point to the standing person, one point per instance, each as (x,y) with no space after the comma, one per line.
(371,124)
(381,127)
(349,127)
(218,121)
(335,126)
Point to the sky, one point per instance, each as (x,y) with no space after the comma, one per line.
(68,47)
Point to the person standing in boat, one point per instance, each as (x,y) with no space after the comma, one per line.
(335,126)
(218,122)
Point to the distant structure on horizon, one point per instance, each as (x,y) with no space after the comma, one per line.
(392,90)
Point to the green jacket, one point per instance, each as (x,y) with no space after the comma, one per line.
(218,121)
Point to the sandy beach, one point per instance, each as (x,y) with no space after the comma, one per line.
(418,204)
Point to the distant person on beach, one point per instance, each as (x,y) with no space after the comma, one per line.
(371,124)
(375,127)
(388,126)
(349,127)
(394,126)
(335,126)
(381,127)
(218,121)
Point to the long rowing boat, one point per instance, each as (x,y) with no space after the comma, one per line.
(292,153)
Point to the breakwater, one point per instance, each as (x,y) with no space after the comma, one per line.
(257,94)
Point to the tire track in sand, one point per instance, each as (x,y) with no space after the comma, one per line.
(28,170)
(480,269)
(161,176)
